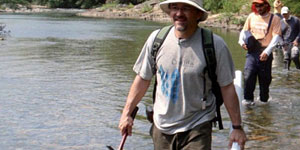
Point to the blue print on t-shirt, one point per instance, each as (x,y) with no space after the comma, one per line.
(170,84)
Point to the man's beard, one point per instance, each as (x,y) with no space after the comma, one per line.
(263,12)
(180,26)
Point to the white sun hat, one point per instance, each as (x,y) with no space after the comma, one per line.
(195,3)
(284,10)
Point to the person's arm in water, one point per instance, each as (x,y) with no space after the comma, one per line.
(137,91)
(232,105)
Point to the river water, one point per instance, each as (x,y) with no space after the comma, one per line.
(64,81)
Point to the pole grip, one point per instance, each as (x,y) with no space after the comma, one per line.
(133,114)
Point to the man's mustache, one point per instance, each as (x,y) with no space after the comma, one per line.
(180,18)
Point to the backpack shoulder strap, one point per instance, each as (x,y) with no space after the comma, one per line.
(269,24)
(158,41)
(210,58)
(209,53)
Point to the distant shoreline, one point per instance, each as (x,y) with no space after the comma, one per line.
(41,10)
(156,15)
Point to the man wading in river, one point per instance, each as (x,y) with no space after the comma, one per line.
(264,28)
(182,117)
(290,28)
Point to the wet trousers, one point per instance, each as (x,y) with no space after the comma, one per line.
(290,53)
(254,68)
(198,138)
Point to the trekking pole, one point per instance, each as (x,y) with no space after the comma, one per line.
(133,114)
(123,141)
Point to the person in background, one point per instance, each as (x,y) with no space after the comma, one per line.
(277,8)
(290,27)
(265,28)
(180,122)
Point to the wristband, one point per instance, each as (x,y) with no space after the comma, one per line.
(238,127)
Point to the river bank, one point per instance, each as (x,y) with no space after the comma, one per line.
(39,9)
(227,21)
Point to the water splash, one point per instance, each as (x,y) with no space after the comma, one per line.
(3,33)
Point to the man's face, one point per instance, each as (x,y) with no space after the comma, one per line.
(261,8)
(184,16)
(286,16)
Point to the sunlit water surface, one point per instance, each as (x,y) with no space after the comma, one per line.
(64,81)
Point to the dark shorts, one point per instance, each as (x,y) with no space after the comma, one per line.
(199,138)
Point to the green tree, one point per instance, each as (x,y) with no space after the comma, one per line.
(233,6)
(213,5)
(294,6)
(13,3)
(89,3)
(40,2)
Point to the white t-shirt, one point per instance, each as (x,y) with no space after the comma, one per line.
(180,80)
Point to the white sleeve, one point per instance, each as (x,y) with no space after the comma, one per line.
(242,38)
(272,44)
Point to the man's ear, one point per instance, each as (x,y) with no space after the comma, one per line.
(200,14)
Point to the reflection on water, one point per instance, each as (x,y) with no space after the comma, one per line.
(64,80)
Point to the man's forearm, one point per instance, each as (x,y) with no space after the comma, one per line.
(242,38)
(231,103)
(137,91)
(272,44)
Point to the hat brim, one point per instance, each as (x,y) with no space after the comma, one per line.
(260,1)
(165,7)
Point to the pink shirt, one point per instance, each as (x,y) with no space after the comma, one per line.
(258,26)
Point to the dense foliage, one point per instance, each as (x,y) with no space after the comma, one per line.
(294,6)
(215,6)
(240,6)
(56,3)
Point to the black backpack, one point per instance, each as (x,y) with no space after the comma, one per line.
(210,58)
